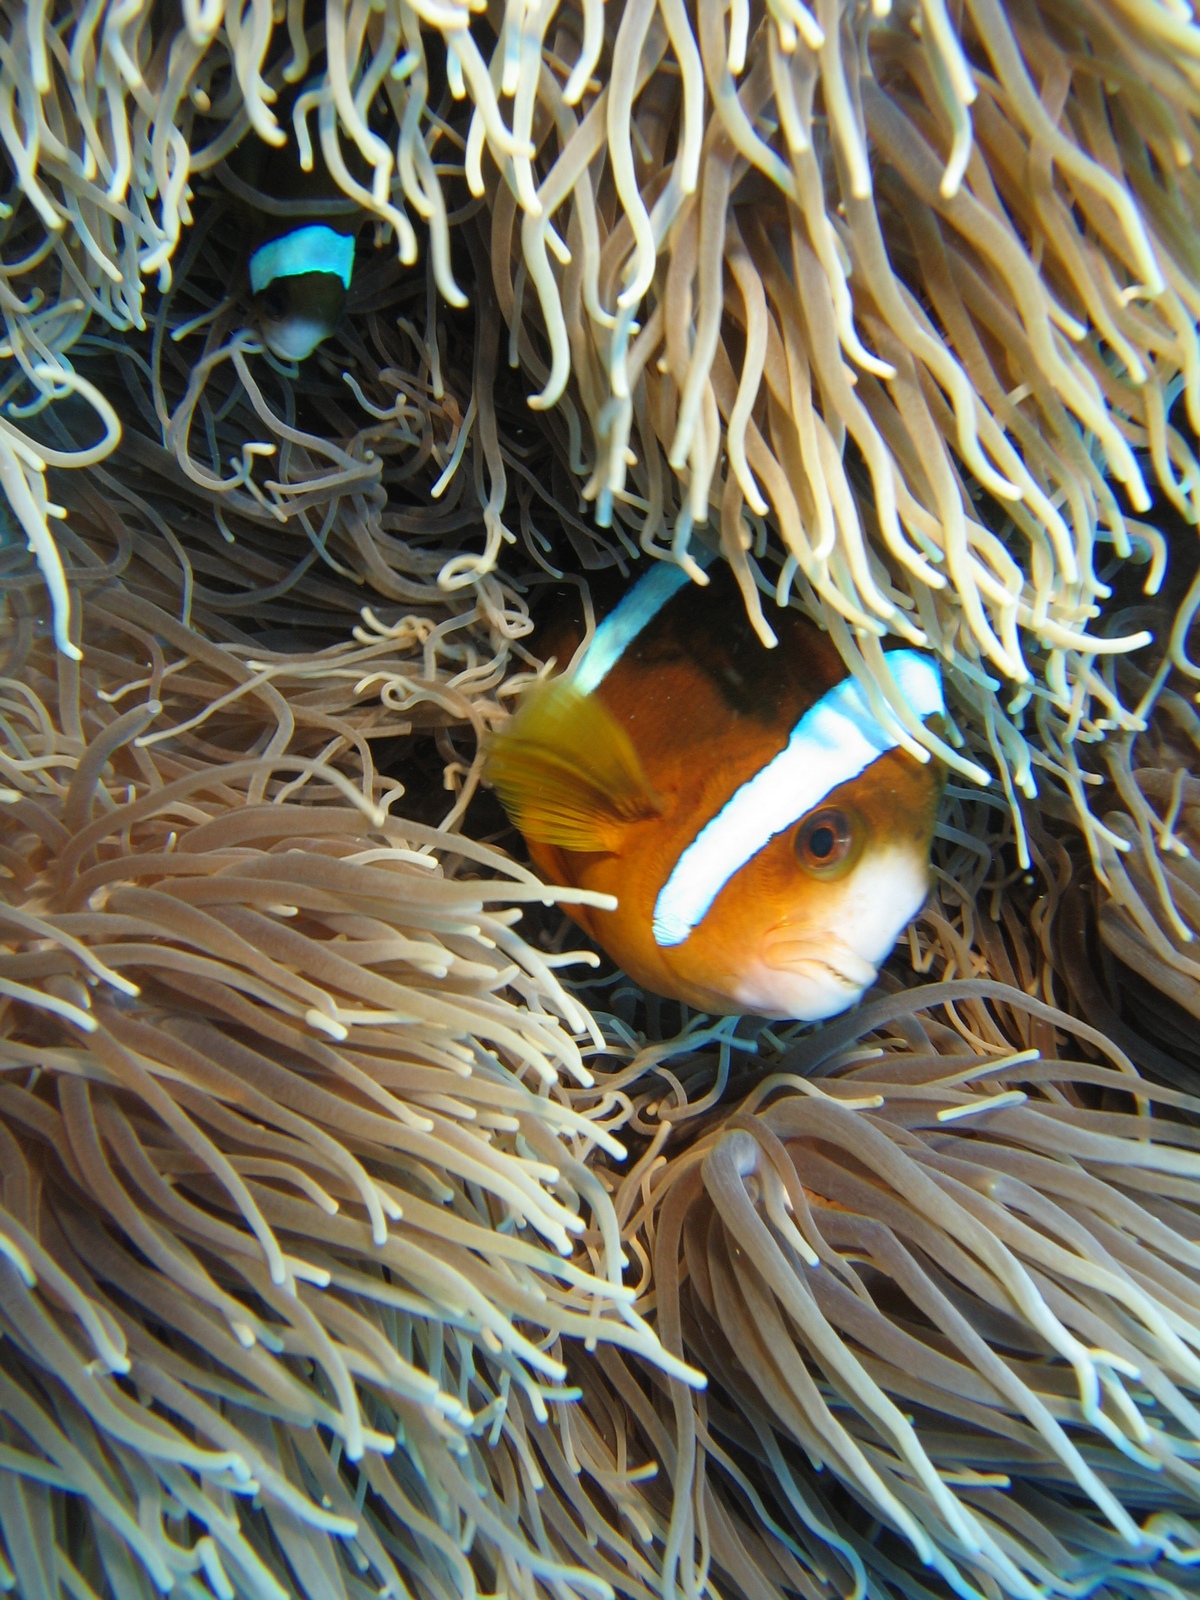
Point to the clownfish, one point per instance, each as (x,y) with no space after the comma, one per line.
(299,279)
(300,238)
(765,836)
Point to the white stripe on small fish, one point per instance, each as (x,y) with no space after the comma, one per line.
(312,249)
(834,741)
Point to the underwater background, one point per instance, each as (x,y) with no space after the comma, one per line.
(364,1231)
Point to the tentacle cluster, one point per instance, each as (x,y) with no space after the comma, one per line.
(911,298)
(296,1211)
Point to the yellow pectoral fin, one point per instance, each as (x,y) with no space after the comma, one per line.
(567,772)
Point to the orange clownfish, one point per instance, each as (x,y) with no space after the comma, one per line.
(765,836)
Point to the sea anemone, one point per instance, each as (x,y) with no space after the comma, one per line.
(323,1268)
(937,1259)
(966,1295)
(297,1214)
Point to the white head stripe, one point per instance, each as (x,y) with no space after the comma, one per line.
(312,249)
(638,608)
(834,741)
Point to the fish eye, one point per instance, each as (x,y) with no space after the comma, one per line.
(824,840)
(274,302)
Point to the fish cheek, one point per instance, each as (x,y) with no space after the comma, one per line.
(863,910)
(771,888)
(783,890)
(891,808)
(635,872)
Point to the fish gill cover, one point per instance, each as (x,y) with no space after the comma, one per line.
(350,1246)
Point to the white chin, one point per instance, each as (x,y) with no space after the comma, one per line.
(294,341)
(807,991)
(810,973)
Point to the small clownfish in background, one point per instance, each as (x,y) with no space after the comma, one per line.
(301,239)
(765,836)
(299,279)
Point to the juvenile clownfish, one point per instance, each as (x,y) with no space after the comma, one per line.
(766,838)
(300,237)
(299,279)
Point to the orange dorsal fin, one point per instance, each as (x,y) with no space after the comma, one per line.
(567,773)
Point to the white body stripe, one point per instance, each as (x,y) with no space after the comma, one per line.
(834,741)
(312,249)
(637,610)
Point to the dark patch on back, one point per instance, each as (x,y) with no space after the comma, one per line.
(708,628)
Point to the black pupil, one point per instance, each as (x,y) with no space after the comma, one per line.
(821,842)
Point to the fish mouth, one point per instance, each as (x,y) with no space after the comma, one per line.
(784,950)
(295,338)
(804,978)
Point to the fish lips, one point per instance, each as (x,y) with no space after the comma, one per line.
(785,948)
(809,976)
(295,338)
